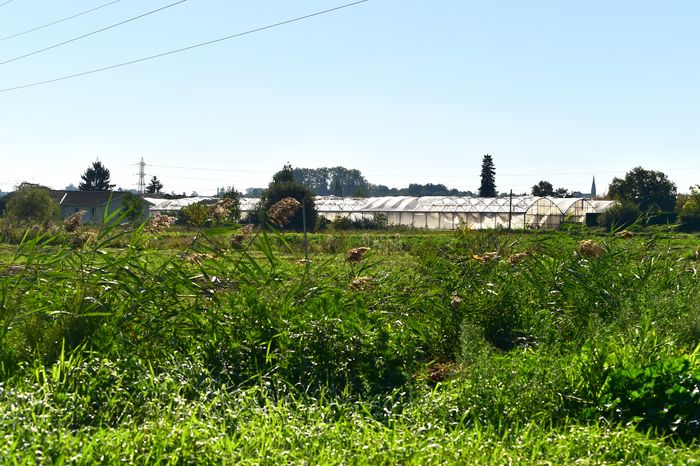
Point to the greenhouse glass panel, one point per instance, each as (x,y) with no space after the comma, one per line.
(502,220)
(393,218)
(434,221)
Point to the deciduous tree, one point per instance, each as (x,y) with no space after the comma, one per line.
(543,188)
(31,203)
(562,192)
(646,188)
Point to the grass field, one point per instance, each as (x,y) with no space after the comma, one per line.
(490,347)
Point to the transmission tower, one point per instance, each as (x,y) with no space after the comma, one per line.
(142,177)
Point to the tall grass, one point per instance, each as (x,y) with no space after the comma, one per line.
(475,347)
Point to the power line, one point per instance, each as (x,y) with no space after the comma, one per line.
(93,32)
(57,21)
(202,44)
(8,1)
(210,169)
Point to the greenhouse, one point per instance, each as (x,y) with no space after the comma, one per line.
(162,206)
(451,212)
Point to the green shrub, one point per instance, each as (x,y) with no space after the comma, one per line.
(343,223)
(689,221)
(689,210)
(664,396)
(195,214)
(133,207)
(377,222)
(32,204)
(14,233)
(621,215)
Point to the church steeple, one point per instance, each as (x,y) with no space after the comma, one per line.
(593,191)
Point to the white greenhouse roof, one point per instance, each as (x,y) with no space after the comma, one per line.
(520,204)
(601,206)
(248,203)
(163,205)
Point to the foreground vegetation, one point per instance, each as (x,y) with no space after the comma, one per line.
(472,347)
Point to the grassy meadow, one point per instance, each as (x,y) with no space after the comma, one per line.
(399,347)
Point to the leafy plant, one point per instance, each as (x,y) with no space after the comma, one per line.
(31,205)
(621,215)
(664,396)
(196,214)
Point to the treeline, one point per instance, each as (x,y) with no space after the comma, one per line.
(341,181)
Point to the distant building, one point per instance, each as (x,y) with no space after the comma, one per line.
(96,204)
(590,195)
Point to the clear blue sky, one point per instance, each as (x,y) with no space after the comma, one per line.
(403,90)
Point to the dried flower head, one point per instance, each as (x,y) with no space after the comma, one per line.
(282,211)
(159,223)
(243,234)
(222,209)
(589,249)
(624,234)
(360,283)
(72,223)
(455,301)
(355,255)
(486,257)
(518,258)
(197,258)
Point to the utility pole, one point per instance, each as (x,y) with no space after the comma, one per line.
(142,177)
(510,209)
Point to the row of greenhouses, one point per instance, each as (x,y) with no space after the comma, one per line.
(451,212)
(438,212)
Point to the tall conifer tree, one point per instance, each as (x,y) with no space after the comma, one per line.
(95,178)
(154,186)
(488,178)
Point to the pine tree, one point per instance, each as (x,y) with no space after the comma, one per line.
(154,186)
(488,178)
(96,178)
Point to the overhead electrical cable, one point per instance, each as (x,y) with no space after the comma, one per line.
(58,21)
(210,169)
(5,3)
(171,52)
(93,32)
